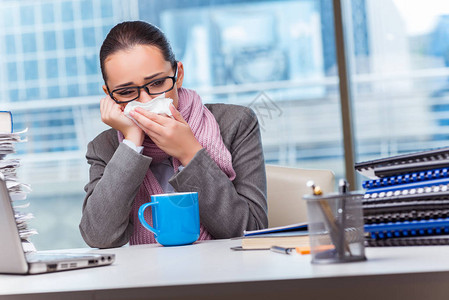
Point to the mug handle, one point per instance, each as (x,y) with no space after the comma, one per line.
(142,218)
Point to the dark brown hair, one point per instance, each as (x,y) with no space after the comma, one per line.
(131,33)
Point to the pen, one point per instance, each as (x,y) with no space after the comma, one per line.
(343,186)
(316,189)
(282,250)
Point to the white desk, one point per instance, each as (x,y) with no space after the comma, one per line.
(210,270)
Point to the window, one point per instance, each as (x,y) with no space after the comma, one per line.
(69,39)
(50,40)
(52,68)
(43,61)
(270,54)
(32,93)
(30,68)
(10,44)
(399,76)
(9,18)
(73,90)
(277,57)
(13,94)
(92,64)
(47,13)
(27,15)
(67,11)
(94,88)
(89,37)
(53,92)
(71,66)
(12,71)
(106,9)
(273,56)
(86,10)
(29,42)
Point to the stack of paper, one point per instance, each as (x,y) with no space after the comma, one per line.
(18,191)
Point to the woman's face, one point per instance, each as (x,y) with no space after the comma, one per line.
(137,66)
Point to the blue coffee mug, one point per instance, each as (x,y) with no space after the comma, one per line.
(176,218)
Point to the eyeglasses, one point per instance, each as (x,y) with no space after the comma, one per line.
(155,87)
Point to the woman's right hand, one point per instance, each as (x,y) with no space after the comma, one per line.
(112,115)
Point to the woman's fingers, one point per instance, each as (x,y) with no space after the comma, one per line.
(173,135)
(150,121)
(112,115)
(159,119)
(176,114)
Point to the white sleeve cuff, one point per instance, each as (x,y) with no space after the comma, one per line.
(133,146)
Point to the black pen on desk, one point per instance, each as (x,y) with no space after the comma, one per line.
(282,250)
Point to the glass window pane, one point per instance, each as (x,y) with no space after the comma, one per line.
(106,9)
(89,36)
(8,19)
(53,92)
(29,42)
(69,39)
(10,44)
(48,13)
(32,93)
(276,57)
(49,40)
(13,95)
(271,56)
(92,64)
(86,9)
(30,68)
(12,71)
(67,11)
(400,75)
(71,66)
(73,90)
(106,30)
(94,88)
(27,15)
(51,66)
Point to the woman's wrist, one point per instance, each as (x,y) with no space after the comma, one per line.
(135,136)
(188,156)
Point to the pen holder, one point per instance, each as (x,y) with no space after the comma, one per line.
(336,227)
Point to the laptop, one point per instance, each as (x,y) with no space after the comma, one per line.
(14,260)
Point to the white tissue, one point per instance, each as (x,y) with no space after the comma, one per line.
(159,105)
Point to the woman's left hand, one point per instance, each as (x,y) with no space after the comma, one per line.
(173,136)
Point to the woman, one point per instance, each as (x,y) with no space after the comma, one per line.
(214,150)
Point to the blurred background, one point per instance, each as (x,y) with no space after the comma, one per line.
(277,57)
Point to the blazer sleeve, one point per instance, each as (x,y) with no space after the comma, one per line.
(113,185)
(227,208)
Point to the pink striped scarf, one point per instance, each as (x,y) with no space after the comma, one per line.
(206,130)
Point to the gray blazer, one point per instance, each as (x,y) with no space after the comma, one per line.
(226,207)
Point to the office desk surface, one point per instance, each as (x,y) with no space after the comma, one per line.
(210,270)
